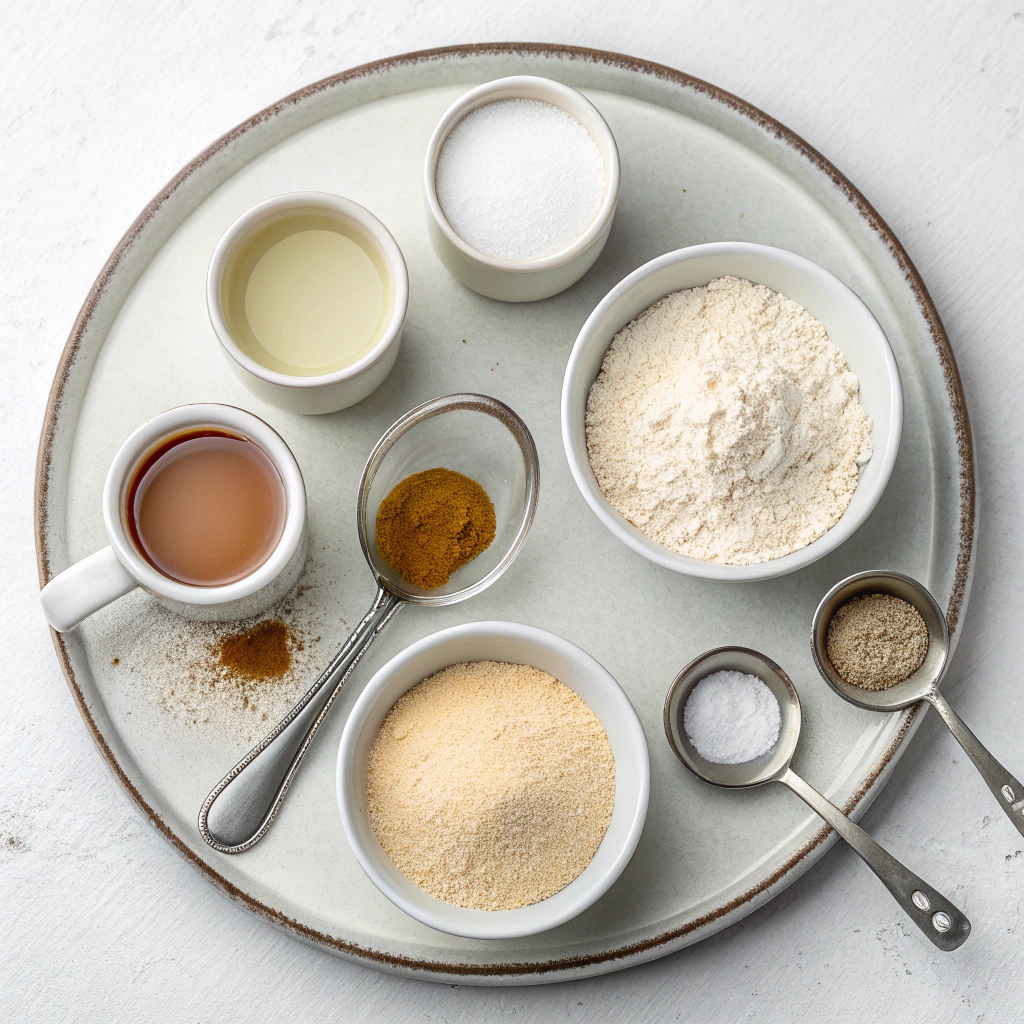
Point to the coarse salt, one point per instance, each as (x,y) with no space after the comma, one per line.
(732,717)
(519,179)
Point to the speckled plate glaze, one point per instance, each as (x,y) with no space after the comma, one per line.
(698,165)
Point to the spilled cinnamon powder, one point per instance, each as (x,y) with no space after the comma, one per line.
(231,681)
(261,652)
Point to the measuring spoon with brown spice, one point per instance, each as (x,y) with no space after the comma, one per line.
(921,685)
(474,435)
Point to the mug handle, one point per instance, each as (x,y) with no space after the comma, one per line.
(84,588)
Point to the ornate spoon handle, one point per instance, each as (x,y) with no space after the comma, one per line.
(243,805)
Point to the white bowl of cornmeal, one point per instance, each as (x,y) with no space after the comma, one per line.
(486,865)
(731,411)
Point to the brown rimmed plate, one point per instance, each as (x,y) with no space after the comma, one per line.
(697,165)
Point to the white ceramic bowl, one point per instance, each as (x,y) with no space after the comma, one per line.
(851,327)
(523,280)
(327,392)
(514,643)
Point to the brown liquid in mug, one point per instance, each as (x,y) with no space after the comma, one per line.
(207,508)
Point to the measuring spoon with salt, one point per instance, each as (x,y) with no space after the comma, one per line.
(471,434)
(942,922)
(923,685)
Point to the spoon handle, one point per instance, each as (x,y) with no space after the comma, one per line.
(946,926)
(243,805)
(1005,788)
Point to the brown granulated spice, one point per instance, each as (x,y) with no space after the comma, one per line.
(259,653)
(433,523)
(875,641)
(490,785)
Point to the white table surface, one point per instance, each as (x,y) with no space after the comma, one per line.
(920,103)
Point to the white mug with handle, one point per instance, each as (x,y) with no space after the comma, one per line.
(102,577)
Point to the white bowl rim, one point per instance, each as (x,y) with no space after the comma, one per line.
(377,231)
(658,553)
(562,96)
(498,924)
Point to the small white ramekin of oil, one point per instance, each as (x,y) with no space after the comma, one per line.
(307,293)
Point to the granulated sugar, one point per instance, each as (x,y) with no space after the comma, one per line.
(726,425)
(490,785)
(732,717)
(519,179)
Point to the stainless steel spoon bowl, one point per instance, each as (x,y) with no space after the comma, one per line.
(472,434)
(922,685)
(942,922)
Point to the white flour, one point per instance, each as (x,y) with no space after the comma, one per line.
(726,425)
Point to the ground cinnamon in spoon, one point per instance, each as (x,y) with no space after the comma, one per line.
(433,523)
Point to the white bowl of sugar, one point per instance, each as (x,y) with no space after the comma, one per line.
(514,646)
(522,180)
(668,478)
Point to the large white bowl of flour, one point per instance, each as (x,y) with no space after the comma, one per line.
(850,327)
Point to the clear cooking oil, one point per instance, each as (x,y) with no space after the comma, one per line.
(306,295)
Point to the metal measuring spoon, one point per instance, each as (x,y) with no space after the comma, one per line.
(946,926)
(922,685)
(472,434)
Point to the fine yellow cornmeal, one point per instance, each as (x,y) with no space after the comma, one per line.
(490,785)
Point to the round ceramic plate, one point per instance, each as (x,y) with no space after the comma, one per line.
(698,165)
